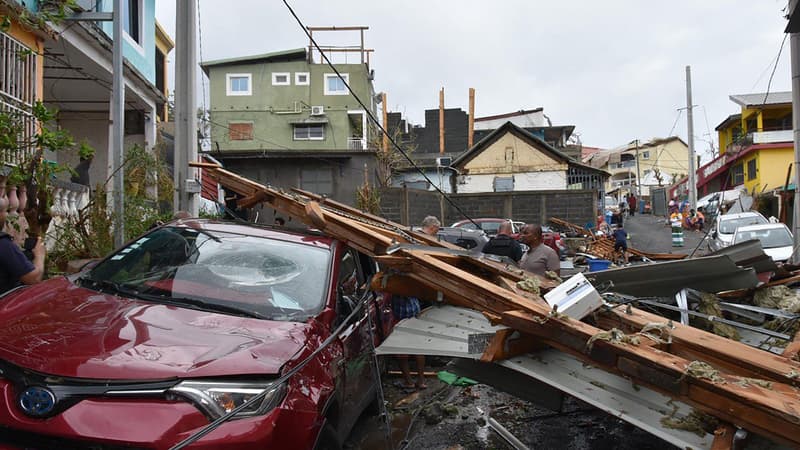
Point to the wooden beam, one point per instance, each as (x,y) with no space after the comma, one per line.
(471,130)
(441,121)
(723,437)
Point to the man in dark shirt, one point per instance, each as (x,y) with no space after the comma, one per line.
(15,268)
(621,242)
(503,244)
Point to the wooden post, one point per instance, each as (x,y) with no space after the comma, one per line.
(404,219)
(441,121)
(385,124)
(471,134)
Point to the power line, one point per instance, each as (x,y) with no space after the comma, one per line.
(778,58)
(372,117)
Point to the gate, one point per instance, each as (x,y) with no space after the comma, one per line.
(658,201)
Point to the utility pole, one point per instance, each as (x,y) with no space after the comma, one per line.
(186,185)
(441,121)
(116,156)
(794,45)
(690,129)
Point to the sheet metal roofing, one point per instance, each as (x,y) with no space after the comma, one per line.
(773,98)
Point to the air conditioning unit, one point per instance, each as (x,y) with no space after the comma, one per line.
(444,161)
(317,110)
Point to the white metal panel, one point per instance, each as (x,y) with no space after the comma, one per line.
(531,181)
(445,331)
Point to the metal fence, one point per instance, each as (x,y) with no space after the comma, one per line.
(18,80)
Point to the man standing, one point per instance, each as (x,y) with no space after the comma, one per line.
(15,268)
(539,258)
(632,204)
(502,244)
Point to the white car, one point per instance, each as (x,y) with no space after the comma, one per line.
(725,226)
(776,239)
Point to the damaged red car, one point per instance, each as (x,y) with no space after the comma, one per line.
(185,324)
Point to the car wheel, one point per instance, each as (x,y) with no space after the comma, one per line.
(328,440)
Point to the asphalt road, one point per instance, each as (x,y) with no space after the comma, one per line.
(650,233)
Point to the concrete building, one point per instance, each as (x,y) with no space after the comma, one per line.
(283,119)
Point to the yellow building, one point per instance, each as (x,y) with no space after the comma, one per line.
(164,45)
(756,149)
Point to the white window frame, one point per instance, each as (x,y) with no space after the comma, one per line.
(138,46)
(275,76)
(345,76)
(308,125)
(232,93)
(646,154)
(297,81)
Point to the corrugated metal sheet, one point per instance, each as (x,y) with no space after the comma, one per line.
(458,332)
(665,279)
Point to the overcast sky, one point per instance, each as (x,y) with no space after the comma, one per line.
(614,69)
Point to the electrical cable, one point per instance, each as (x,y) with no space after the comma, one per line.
(373,118)
(777,59)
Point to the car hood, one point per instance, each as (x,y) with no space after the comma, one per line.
(61,329)
(779,254)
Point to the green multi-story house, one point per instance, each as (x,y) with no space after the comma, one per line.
(284,120)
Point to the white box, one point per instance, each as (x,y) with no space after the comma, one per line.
(575,297)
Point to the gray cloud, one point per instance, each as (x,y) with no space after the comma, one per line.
(613,69)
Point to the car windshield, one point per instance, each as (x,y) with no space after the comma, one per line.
(728,226)
(770,238)
(490,227)
(219,271)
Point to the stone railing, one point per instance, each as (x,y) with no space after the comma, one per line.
(68,199)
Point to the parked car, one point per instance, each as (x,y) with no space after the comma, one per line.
(489,225)
(184,324)
(725,226)
(776,239)
(463,237)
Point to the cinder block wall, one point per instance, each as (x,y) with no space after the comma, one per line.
(410,206)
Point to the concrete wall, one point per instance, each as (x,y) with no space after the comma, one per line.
(142,55)
(411,206)
(347,174)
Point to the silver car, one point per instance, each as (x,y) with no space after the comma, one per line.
(725,226)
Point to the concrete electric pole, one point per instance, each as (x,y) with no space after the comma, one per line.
(187,186)
(794,45)
(692,183)
(116,149)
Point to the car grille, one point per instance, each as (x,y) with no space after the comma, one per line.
(33,441)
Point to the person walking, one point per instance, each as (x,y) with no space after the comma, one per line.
(502,244)
(621,243)
(539,257)
(632,204)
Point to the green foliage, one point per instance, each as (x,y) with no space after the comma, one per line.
(89,235)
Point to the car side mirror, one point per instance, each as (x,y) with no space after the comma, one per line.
(714,234)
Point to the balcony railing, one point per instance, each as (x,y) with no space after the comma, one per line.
(18,92)
(769,137)
(356,144)
(622,164)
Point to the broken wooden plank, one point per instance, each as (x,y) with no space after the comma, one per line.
(723,437)
(695,344)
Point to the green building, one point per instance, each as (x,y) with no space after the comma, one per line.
(284,120)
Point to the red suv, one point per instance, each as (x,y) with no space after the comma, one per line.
(183,325)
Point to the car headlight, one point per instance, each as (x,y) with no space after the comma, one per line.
(217,398)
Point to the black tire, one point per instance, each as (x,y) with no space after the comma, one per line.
(328,440)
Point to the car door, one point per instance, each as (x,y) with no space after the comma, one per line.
(355,366)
